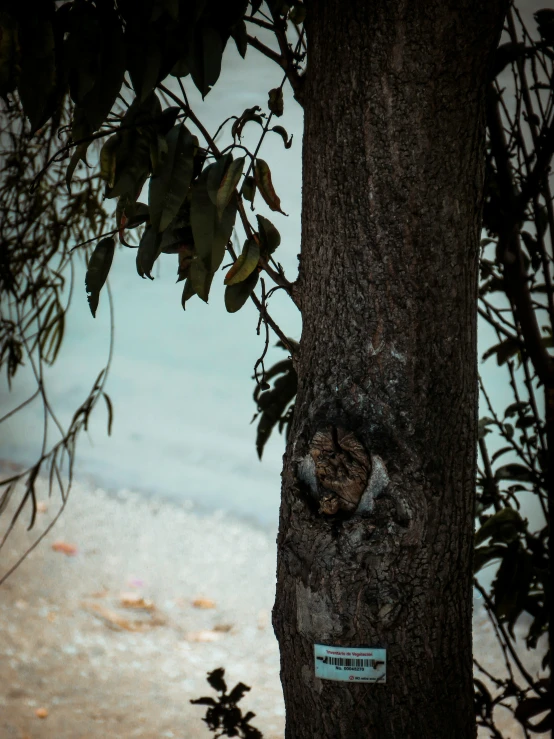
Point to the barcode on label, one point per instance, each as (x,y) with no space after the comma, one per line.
(345,662)
(352,664)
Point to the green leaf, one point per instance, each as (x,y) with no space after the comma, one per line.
(98,270)
(228,184)
(169,189)
(269,236)
(108,159)
(132,165)
(245,264)
(483,555)
(275,101)
(297,14)
(514,472)
(200,278)
(483,429)
(502,526)
(188,292)
(515,408)
(248,189)
(262,175)
(216,173)
(504,351)
(210,233)
(149,250)
(237,295)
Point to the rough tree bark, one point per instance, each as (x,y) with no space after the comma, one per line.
(386,410)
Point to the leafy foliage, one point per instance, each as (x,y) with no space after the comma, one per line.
(224,713)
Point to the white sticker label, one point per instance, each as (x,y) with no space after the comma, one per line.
(351,664)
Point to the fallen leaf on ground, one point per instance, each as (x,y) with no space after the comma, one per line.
(65,548)
(263,619)
(224,628)
(203,636)
(113,618)
(134,600)
(203,603)
(100,593)
(41,712)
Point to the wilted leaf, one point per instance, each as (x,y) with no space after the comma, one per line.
(245,264)
(98,270)
(284,135)
(41,712)
(275,101)
(204,603)
(237,295)
(262,175)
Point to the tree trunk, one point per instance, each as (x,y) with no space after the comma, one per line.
(375,541)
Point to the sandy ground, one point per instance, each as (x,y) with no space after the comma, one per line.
(113,640)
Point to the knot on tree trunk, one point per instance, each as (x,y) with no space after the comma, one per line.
(342,468)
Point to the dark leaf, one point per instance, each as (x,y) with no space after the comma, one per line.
(284,135)
(237,295)
(270,238)
(245,264)
(262,176)
(504,351)
(205,60)
(240,37)
(238,692)
(217,681)
(98,270)
(485,554)
(275,102)
(505,526)
(149,250)
(248,189)
(514,472)
(200,278)
(169,188)
(38,67)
